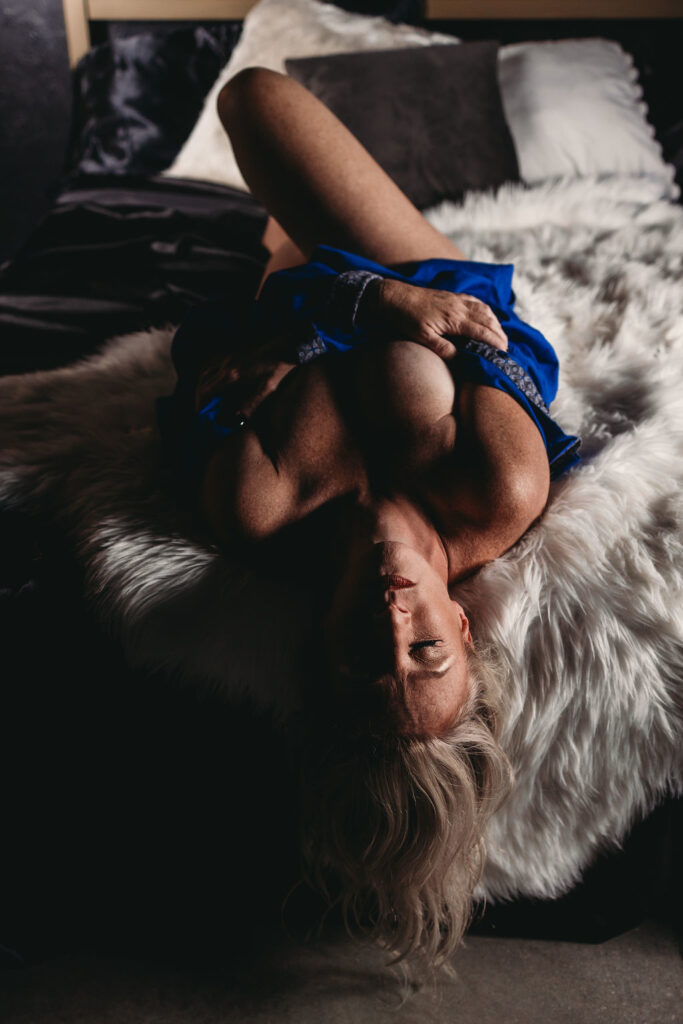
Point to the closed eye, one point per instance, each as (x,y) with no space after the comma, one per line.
(423,643)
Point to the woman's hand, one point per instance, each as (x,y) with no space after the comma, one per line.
(246,377)
(431,317)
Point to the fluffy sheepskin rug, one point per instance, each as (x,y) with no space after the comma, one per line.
(587,608)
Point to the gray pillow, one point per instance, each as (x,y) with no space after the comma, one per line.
(431,116)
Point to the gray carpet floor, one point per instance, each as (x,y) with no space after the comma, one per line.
(636,978)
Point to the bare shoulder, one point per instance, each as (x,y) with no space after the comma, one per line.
(495,479)
(243,498)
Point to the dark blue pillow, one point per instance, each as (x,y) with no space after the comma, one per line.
(136,99)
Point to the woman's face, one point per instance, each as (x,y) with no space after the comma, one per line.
(396,642)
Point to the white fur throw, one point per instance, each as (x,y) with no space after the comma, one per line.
(586,608)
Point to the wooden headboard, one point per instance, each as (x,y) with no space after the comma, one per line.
(79,13)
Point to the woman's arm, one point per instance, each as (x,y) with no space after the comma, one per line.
(349,309)
(429,316)
(339,312)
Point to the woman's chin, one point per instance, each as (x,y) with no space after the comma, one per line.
(394,558)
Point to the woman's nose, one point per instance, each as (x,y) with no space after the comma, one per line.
(389,631)
(392,605)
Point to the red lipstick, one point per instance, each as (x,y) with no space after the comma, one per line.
(394,582)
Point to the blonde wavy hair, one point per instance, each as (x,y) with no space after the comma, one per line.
(393,825)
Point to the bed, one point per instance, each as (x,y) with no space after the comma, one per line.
(564,175)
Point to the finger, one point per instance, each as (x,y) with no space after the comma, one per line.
(484,314)
(491,335)
(475,303)
(250,404)
(497,336)
(482,329)
(257,394)
(488,321)
(441,346)
(481,332)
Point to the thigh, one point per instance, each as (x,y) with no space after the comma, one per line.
(316,179)
(284,254)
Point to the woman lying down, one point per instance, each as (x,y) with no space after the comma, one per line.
(377,419)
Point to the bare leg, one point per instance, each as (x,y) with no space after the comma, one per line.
(283,252)
(316,179)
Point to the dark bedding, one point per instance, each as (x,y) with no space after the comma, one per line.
(116,254)
(116,784)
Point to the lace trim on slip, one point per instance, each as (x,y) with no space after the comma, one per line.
(347,291)
(519,377)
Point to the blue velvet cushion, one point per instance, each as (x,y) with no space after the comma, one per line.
(136,99)
(138,96)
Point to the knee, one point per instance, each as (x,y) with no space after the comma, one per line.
(247,92)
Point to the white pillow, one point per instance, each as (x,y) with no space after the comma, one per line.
(274,30)
(574,107)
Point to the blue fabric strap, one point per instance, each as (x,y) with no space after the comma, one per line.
(509,367)
(345,296)
(342,306)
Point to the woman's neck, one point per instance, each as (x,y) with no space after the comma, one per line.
(319,548)
(375,521)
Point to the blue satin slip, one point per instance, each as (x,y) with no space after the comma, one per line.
(302,298)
